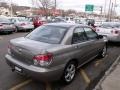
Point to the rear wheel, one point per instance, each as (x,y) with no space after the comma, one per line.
(16,29)
(69,72)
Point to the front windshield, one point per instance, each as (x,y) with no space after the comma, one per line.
(48,34)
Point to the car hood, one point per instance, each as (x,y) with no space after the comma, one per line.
(35,47)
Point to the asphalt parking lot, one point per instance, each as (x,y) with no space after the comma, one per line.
(86,78)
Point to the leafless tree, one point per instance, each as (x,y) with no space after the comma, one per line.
(46,5)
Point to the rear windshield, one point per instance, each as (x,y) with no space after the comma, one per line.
(22,19)
(106,26)
(110,25)
(48,34)
(4,20)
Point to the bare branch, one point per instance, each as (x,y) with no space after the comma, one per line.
(45,5)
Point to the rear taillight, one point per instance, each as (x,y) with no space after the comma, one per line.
(98,30)
(43,59)
(1,25)
(22,24)
(38,21)
(115,31)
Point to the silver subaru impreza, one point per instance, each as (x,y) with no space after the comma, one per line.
(55,51)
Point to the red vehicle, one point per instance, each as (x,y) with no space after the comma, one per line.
(38,22)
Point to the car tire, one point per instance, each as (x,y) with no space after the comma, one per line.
(103,52)
(16,29)
(69,72)
(11,32)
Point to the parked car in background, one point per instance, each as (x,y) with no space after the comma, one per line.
(78,21)
(29,19)
(21,23)
(70,20)
(111,30)
(6,26)
(99,22)
(57,20)
(55,51)
(38,21)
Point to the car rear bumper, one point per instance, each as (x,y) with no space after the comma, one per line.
(26,27)
(113,38)
(7,30)
(39,73)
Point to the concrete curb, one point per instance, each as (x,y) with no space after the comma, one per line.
(107,73)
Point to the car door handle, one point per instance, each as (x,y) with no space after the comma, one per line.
(76,46)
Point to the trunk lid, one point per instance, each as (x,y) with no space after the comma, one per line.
(24,49)
(104,31)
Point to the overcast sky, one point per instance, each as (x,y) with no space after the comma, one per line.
(78,5)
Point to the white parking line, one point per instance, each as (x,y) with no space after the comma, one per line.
(85,76)
(16,87)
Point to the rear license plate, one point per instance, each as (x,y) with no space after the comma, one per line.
(18,69)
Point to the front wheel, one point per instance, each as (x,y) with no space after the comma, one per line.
(69,72)
(103,52)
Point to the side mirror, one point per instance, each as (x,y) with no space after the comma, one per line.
(100,37)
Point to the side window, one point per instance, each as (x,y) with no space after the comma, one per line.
(90,33)
(13,20)
(79,36)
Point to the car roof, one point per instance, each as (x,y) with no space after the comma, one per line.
(111,23)
(67,25)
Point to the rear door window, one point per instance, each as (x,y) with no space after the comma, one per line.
(78,36)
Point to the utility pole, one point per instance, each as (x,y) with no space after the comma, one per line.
(108,16)
(114,8)
(55,4)
(31,8)
(111,12)
(101,10)
(55,8)
(11,9)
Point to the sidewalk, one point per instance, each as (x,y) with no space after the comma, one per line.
(111,80)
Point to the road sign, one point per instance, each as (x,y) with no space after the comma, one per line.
(89,8)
